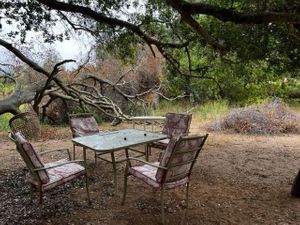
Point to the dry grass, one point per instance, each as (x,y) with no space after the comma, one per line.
(272,117)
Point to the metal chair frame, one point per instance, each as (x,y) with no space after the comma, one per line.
(166,169)
(113,160)
(34,171)
(162,146)
(78,115)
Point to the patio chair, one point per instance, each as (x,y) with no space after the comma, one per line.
(27,123)
(173,170)
(82,124)
(175,125)
(44,177)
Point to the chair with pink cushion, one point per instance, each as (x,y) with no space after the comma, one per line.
(173,170)
(82,124)
(176,124)
(46,176)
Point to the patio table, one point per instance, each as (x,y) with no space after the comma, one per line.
(109,142)
(147,119)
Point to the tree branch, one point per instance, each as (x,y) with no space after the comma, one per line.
(100,17)
(25,59)
(230,15)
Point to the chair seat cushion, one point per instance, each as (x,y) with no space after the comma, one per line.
(161,144)
(61,174)
(147,174)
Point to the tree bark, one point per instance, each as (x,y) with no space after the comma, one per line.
(20,96)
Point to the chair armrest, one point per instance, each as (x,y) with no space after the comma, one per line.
(55,150)
(147,163)
(57,165)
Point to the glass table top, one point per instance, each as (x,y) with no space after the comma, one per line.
(117,139)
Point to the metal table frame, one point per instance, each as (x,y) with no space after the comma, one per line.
(152,120)
(110,142)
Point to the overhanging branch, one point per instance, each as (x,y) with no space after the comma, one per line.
(102,18)
(230,15)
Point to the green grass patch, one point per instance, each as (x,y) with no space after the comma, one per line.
(171,106)
(207,111)
(211,110)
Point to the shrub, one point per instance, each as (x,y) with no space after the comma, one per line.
(271,117)
(4,118)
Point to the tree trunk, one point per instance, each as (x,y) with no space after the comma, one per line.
(296,186)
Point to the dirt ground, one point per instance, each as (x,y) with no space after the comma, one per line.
(238,179)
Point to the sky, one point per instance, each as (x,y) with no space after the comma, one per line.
(75,48)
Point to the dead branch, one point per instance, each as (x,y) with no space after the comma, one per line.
(171,99)
(55,71)
(77,91)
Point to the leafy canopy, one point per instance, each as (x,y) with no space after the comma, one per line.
(209,42)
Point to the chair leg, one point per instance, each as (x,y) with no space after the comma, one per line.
(125,184)
(87,188)
(149,150)
(113,160)
(186,203)
(95,158)
(163,219)
(40,195)
(187,195)
(74,152)
(86,175)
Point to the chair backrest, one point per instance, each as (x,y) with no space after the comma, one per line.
(177,124)
(30,157)
(27,123)
(83,124)
(179,157)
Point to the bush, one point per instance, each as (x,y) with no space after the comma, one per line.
(4,118)
(271,117)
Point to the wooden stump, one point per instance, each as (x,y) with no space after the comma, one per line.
(296,186)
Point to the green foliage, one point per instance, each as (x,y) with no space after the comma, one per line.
(4,118)
(172,106)
(258,58)
(228,78)
(123,46)
(211,110)
(206,111)
(6,89)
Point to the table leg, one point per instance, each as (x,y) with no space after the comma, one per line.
(113,160)
(127,154)
(84,157)
(147,152)
(74,154)
(86,175)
